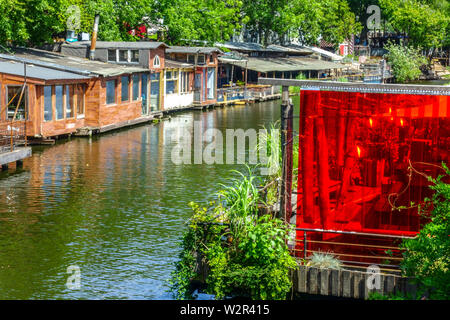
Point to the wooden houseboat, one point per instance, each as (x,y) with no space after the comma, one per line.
(87,96)
(204,61)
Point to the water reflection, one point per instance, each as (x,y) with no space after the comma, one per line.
(114,205)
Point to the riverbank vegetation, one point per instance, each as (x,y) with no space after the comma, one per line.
(237,245)
(405,62)
(427,257)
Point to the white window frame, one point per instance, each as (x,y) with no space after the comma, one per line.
(129,51)
(156,59)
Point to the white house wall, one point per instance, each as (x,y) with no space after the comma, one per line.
(177,100)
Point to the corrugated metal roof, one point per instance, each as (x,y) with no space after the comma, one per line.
(282,64)
(180,49)
(248,46)
(119,44)
(320,51)
(74,64)
(37,72)
(177,64)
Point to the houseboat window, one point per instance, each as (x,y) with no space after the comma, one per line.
(123,55)
(134,55)
(156,62)
(125,88)
(59,102)
(191,58)
(112,55)
(171,82)
(110,91)
(154,76)
(184,78)
(211,58)
(135,86)
(69,102)
(48,110)
(13,95)
(201,59)
(80,88)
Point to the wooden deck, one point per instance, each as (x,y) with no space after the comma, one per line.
(13,156)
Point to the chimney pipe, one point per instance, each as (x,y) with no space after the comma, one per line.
(94,37)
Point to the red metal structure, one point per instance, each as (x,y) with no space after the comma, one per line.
(360,156)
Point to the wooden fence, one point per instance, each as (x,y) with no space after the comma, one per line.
(348,283)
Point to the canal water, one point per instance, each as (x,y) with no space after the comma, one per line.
(113,206)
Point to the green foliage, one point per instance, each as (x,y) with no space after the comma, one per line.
(246,253)
(405,62)
(427,23)
(378,296)
(427,257)
(205,20)
(331,19)
(324,260)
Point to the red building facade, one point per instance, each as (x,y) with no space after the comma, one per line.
(359,148)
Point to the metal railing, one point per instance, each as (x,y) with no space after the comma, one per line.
(353,250)
(245,93)
(12,134)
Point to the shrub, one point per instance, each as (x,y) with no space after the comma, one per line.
(427,257)
(246,254)
(405,62)
(324,260)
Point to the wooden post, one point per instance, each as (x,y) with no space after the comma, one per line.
(286,149)
(322,166)
(307,158)
(341,116)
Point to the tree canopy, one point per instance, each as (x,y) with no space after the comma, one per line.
(425,22)
(33,22)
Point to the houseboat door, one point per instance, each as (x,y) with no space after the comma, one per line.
(198,88)
(144,93)
(154,91)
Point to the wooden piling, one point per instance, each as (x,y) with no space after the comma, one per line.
(307,159)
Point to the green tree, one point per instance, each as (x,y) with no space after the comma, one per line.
(427,257)
(308,20)
(424,22)
(405,62)
(204,20)
(12,27)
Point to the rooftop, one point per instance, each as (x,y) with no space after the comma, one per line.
(281,64)
(72,64)
(204,50)
(37,72)
(256,47)
(176,64)
(119,44)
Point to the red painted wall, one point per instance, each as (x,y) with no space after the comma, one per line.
(355,150)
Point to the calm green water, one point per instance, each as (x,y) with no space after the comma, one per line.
(114,205)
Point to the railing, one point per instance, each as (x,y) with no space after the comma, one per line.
(249,92)
(354,249)
(12,134)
